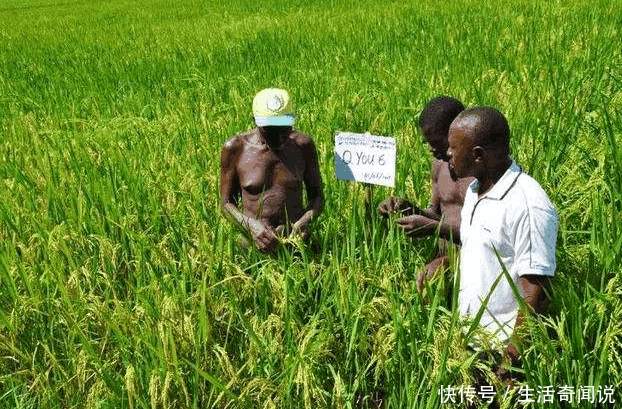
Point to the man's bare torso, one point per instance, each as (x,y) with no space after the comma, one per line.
(450,192)
(271,180)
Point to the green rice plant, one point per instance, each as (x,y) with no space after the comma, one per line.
(121,283)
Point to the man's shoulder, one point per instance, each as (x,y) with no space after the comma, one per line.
(301,139)
(532,190)
(237,142)
(442,176)
(437,167)
(528,197)
(465,184)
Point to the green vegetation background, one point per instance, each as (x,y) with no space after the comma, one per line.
(121,283)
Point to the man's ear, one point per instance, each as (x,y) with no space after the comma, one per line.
(479,154)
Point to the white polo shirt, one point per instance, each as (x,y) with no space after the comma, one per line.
(517,218)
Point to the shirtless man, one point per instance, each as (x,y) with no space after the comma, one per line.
(267,167)
(443,214)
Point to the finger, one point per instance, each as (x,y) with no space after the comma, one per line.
(411,232)
(431,269)
(261,239)
(269,246)
(262,245)
(295,230)
(266,238)
(420,279)
(275,243)
(269,234)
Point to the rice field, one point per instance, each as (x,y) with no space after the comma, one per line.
(121,282)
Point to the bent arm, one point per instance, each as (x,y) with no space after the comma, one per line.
(534,247)
(448,229)
(420,225)
(433,211)
(532,289)
(229,183)
(264,238)
(313,185)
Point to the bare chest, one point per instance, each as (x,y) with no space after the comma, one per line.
(261,169)
(451,192)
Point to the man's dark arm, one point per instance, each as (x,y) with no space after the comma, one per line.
(532,289)
(313,186)
(420,226)
(430,220)
(393,205)
(264,238)
(433,211)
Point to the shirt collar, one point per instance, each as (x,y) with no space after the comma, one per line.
(503,185)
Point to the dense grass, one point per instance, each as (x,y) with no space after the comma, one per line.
(121,283)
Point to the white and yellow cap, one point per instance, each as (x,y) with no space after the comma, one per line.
(273,107)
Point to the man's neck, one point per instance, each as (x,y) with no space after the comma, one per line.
(272,139)
(492,177)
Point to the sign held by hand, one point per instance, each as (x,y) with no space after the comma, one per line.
(365,158)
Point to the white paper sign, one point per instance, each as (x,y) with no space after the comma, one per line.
(365,158)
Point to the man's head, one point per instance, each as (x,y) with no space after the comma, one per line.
(274,114)
(434,123)
(479,140)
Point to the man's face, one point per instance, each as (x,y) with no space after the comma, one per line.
(460,152)
(438,145)
(275,133)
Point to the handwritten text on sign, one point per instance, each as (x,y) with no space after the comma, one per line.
(365,158)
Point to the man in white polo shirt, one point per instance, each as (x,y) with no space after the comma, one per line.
(505,213)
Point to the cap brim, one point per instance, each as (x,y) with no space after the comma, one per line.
(285,120)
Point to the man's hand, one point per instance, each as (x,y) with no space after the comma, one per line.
(300,228)
(430,269)
(394,205)
(512,354)
(264,237)
(505,374)
(417,225)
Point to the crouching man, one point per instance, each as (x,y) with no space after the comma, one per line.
(443,215)
(268,168)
